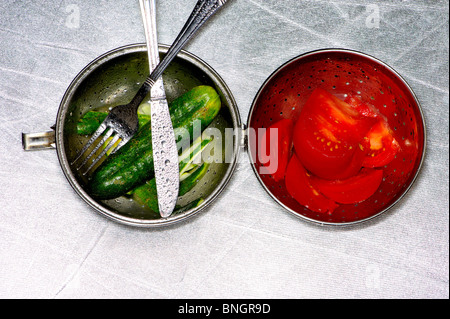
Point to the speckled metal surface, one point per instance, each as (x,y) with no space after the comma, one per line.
(52,245)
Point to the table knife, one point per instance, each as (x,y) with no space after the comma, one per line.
(165,153)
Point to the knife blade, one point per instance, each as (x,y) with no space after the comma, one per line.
(165,153)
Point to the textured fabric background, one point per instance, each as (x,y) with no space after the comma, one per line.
(52,245)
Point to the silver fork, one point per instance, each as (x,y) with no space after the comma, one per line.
(122,121)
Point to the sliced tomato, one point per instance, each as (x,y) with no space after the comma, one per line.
(299,186)
(381,145)
(355,165)
(275,148)
(353,190)
(328,134)
(362,108)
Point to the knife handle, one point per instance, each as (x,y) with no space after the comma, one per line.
(148,12)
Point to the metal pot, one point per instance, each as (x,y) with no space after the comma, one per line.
(112,79)
(343,72)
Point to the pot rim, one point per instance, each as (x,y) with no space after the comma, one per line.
(64,163)
(389,68)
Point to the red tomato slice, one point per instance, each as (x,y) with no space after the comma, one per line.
(355,165)
(327,136)
(362,108)
(381,144)
(353,190)
(275,148)
(299,187)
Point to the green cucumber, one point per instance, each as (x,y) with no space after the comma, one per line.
(147,195)
(192,156)
(132,165)
(90,122)
(193,204)
(192,180)
(190,174)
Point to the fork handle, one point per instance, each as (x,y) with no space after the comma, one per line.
(203,10)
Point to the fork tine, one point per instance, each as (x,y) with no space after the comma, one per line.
(121,143)
(105,150)
(96,134)
(109,132)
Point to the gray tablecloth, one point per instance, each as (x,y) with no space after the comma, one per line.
(53,245)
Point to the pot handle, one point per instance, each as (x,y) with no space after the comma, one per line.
(39,141)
